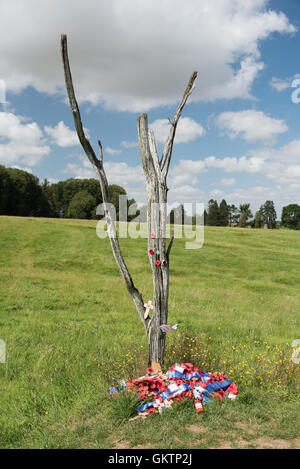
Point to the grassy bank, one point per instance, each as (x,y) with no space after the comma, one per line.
(70,328)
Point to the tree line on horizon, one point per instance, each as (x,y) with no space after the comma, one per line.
(266,217)
(21,194)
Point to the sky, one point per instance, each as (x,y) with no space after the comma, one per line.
(239,134)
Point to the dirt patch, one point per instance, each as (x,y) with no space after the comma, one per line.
(126,445)
(122,445)
(296,443)
(178,440)
(142,447)
(241,443)
(250,428)
(267,443)
(196,428)
(223,445)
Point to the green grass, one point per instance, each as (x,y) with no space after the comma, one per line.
(70,328)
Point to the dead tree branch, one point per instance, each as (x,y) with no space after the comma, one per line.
(167,152)
(98,166)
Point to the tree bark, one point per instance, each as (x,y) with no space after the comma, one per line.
(156,180)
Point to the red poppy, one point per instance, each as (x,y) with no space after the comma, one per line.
(150,370)
(151,251)
(150,410)
(157,262)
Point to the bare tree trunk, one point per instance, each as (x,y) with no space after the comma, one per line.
(156,180)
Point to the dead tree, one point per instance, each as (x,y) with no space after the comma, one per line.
(156,172)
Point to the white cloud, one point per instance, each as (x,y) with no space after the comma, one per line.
(216,193)
(228,181)
(240,83)
(185,193)
(232,164)
(251,125)
(79,172)
(61,135)
(257,195)
(129,177)
(278,166)
(184,172)
(52,180)
(277,171)
(13,128)
(2,91)
(279,84)
(134,57)
(289,153)
(112,151)
(187,130)
(123,174)
(20,142)
(191,166)
(126,144)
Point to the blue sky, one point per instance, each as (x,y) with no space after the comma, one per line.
(239,137)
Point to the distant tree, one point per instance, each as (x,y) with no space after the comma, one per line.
(132,203)
(290,217)
(242,220)
(21,194)
(59,206)
(195,219)
(177,215)
(223,214)
(213,213)
(258,219)
(6,192)
(63,192)
(245,214)
(268,214)
(82,205)
(114,193)
(233,214)
(48,195)
(26,195)
(141,213)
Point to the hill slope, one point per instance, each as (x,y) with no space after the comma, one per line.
(70,328)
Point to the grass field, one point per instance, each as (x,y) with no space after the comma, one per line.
(71,328)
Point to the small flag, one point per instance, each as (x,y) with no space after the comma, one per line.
(166,328)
